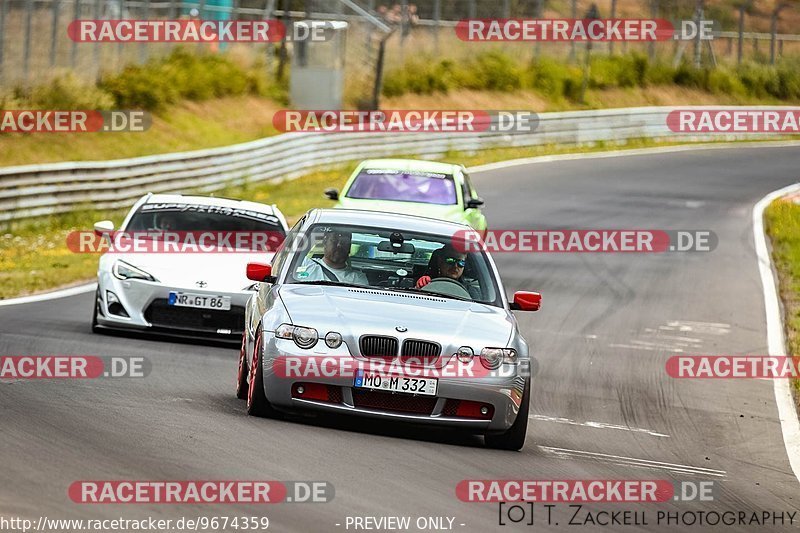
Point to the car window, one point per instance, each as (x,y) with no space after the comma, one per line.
(384,259)
(286,246)
(468,182)
(404,186)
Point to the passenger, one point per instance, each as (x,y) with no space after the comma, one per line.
(447,262)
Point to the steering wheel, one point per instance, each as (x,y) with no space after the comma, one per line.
(447,286)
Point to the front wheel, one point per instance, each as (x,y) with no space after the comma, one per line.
(241,377)
(95,326)
(514,438)
(257,403)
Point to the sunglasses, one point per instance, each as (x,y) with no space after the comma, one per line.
(455,261)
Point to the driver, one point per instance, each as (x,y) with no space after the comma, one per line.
(165,221)
(334,265)
(447,262)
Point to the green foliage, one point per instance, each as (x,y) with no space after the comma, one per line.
(498,71)
(185,75)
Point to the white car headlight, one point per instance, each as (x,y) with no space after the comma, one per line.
(123,270)
(303,337)
(492,358)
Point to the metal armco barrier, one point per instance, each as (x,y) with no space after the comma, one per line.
(38,190)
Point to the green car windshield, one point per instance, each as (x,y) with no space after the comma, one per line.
(404,186)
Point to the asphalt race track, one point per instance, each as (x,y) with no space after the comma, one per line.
(602,404)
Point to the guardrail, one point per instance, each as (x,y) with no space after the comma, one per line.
(38,190)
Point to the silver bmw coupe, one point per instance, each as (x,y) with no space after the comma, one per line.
(386,316)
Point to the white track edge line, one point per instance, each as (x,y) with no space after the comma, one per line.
(631,152)
(62,293)
(787,413)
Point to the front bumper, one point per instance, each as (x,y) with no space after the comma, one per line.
(146,307)
(502,393)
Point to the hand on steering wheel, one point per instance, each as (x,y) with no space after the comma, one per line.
(424,280)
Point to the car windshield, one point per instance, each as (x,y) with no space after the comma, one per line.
(391,260)
(404,186)
(156,218)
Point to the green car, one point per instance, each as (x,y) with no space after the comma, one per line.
(425,188)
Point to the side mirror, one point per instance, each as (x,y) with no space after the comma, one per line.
(332,194)
(104,226)
(527,301)
(260,272)
(474,203)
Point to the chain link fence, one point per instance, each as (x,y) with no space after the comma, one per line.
(34,46)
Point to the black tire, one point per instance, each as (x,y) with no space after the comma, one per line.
(95,326)
(257,403)
(514,438)
(241,377)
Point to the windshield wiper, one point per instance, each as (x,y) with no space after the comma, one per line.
(430,293)
(333,283)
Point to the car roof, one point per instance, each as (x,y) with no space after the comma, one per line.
(412,165)
(385,220)
(211,200)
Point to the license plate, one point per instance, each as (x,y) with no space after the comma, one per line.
(376,381)
(200,301)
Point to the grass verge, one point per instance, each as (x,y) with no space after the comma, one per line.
(34,256)
(782,220)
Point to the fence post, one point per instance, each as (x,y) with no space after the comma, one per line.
(376,89)
(97,45)
(437,17)
(143,47)
(2,38)
(573,15)
(774,31)
(73,53)
(54,31)
(698,16)
(473,9)
(26,55)
(741,34)
(651,48)
(507,9)
(613,15)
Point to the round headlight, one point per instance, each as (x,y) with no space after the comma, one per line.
(491,358)
(465,354)
(333,339)
(304,337)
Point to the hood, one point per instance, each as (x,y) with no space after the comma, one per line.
(356,312)
(225,272)
(453,213)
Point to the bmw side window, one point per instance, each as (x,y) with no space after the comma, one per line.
(286,247)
